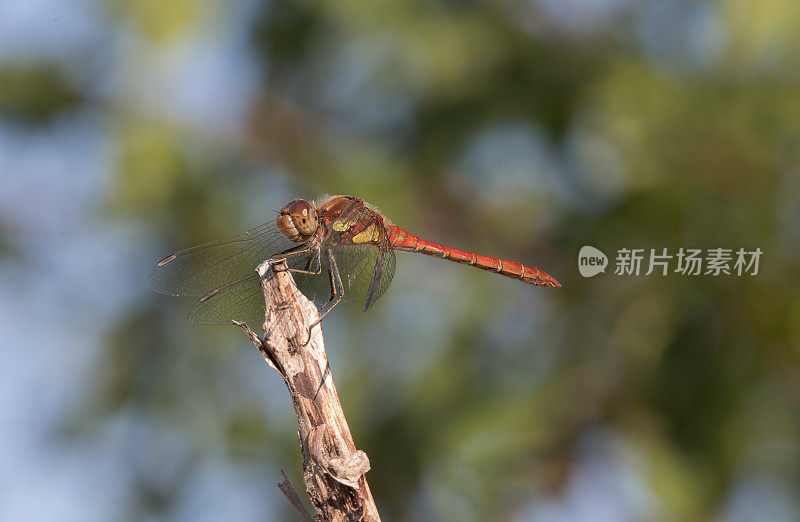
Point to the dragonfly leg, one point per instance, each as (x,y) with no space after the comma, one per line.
(337,288)
(337,291)
(295,250)
(308,265)
(302,249)
(299,249)
(310,259)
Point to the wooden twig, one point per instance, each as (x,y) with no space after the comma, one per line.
(288,490)
(333,469)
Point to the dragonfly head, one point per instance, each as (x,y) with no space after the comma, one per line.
(298,220)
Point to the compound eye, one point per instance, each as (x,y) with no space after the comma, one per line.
(303,216)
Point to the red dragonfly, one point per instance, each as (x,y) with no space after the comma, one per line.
(337,247)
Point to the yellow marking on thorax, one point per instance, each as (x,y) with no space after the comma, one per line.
(367,235)
(340,225)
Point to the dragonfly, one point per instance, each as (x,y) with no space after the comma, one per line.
(337,247)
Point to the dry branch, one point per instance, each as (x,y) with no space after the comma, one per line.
(333,469)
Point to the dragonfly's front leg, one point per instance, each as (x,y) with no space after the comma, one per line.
(302,249)
(315,256)
(310,259)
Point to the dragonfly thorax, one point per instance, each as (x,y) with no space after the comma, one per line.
(298,220)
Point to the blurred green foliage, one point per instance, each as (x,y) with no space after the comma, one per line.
(34,93)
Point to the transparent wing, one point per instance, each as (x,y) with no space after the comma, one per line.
(356,264)
(243,300)
(198,270)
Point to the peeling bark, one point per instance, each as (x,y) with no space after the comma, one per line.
(333,469)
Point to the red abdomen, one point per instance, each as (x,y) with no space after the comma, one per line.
(402,240)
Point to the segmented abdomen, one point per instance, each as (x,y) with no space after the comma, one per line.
(402,240)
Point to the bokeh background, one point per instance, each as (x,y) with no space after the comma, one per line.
(520,129)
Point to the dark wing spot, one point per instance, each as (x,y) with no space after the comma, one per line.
(166,260)
(209,295)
